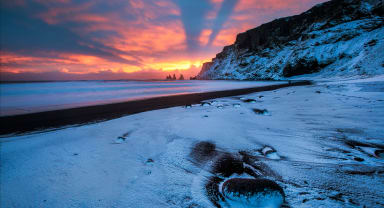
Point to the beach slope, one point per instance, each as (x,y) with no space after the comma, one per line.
(319,146)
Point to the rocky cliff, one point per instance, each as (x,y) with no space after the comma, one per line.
(336,38)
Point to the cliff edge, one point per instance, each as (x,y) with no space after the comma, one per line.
(332,39)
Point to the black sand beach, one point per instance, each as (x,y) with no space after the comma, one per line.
(19,124)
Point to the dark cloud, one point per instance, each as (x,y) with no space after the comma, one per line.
(193,16)
(23,33)
(80,39)
(222,16)
(49,28)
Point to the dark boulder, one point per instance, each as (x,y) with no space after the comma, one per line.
(227,165)
(203,151)
(256,192)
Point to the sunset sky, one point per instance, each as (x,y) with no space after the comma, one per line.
(125,39)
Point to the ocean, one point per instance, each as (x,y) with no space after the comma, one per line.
(29,97)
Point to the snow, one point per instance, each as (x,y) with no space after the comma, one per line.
(351,49)
(325,136)
(21,98)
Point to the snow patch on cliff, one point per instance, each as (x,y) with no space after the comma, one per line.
(332,49)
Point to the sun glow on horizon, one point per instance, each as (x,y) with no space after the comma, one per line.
(176,65)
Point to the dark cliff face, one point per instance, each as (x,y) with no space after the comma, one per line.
(206,66)
(286,32)
(283,30)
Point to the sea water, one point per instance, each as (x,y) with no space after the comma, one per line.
(28,97)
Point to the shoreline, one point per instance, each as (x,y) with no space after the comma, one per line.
(25,123)
(321,144)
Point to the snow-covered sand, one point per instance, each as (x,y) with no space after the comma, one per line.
(322,144)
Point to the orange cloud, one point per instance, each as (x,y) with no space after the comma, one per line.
(84,59)
(181,65)
(149,38)
(227,36)
(138,35)
(204,37)
(274,4)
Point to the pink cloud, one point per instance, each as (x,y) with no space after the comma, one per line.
(149,34)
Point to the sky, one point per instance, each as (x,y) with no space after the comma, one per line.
(124,39)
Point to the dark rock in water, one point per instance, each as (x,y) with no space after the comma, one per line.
(337,197)
(188,106)
(205,104)
(249,101)
(372,42)
(261,112)
(356,172)
(236,105)
(354,144)
(203,151)
(270,153)
(358,159)
(125,135)
(379,153)
(353,202)
(227,165)
(220,106)
(120,140)
(267,150)
(378,149)
(253,192)
(150,160)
